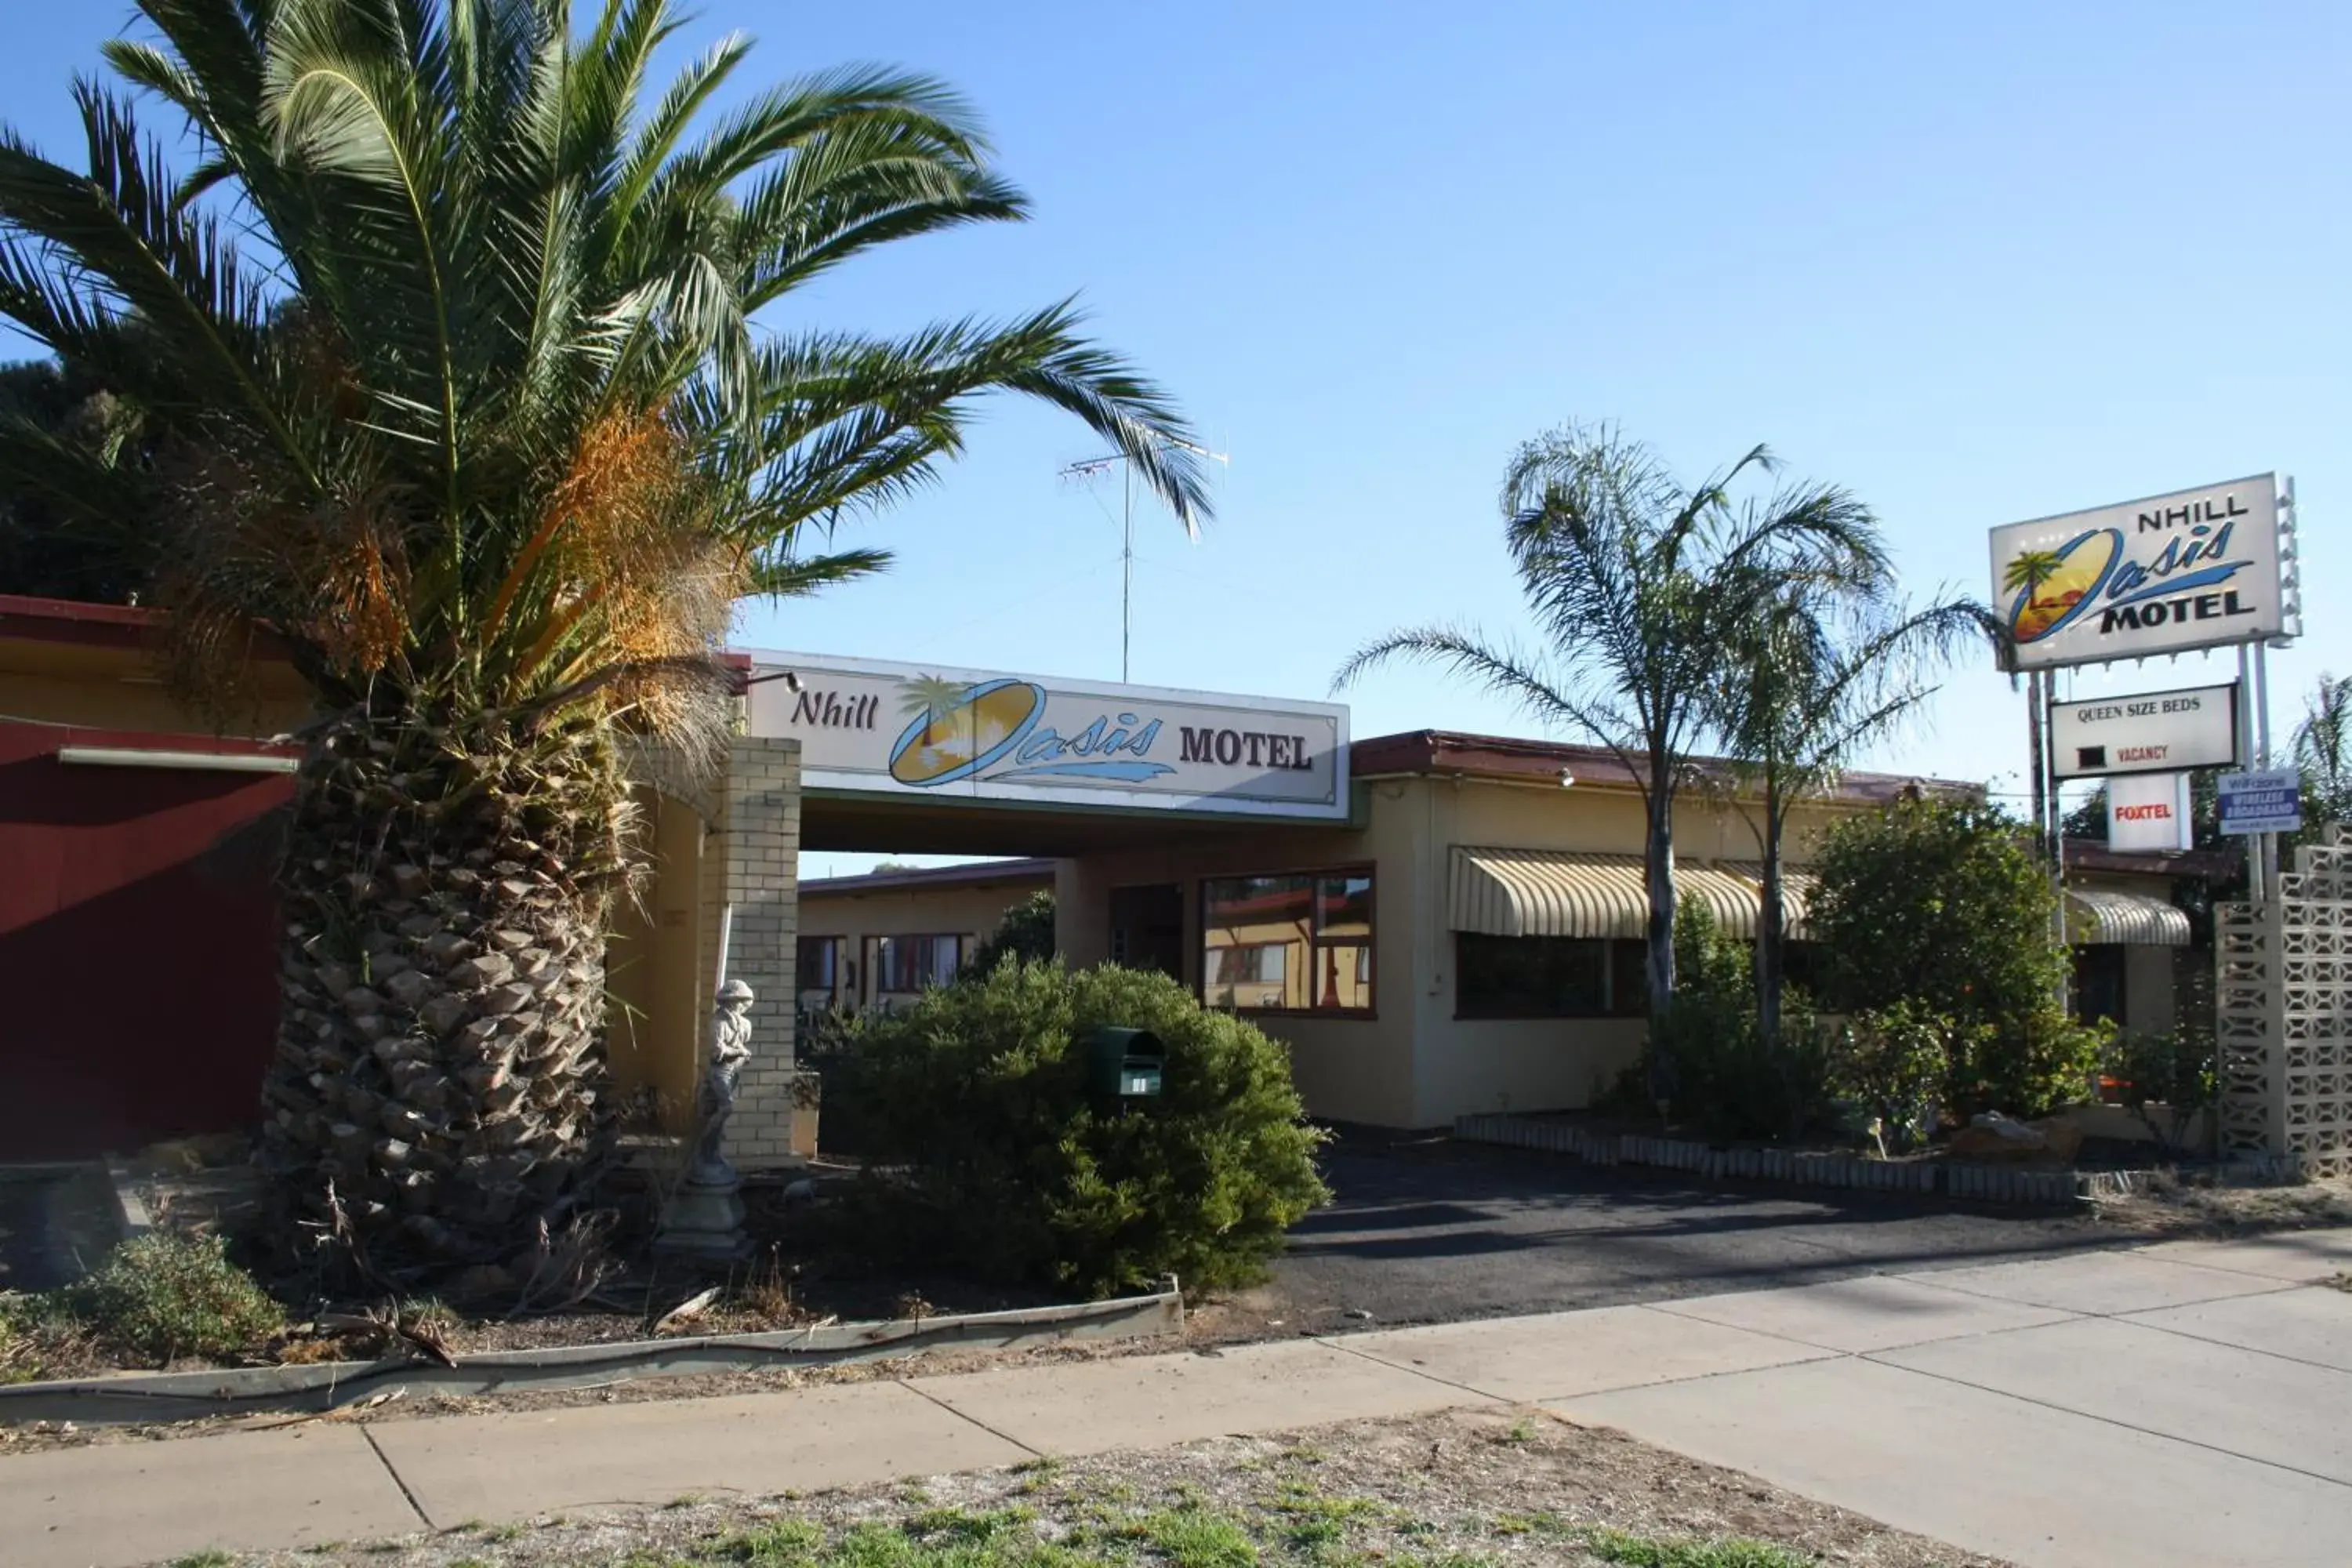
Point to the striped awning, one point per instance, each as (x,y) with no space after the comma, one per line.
(1551,892)
(2098,917)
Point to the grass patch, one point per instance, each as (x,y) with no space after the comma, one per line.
(1196,1538)
(214,1558)
(1642,1552)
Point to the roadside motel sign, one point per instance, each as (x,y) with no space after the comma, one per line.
(2192,569)
(924,732)
(2269,800)
(2149,732)
(2148,811)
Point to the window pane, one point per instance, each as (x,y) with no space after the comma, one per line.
(1529,977)
(817,962)
(1629,978)
(1347,976)
(1271,918)
(1347,905)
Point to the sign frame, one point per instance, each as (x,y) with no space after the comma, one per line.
(2157,569)
(2142,731)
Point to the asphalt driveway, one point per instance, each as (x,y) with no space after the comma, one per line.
(1434,1231)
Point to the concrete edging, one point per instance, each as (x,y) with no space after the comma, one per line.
(326,1385)
(1955,1179)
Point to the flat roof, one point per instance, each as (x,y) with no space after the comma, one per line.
(1448,752)
(983,874)
(2209,865)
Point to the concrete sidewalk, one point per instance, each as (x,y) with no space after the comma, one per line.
(2173,1405)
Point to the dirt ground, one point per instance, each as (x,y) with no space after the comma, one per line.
(1460,1489)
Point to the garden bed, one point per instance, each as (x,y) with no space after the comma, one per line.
(801,1297)
(1929,1173)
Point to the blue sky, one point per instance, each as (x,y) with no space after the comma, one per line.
(1980,264)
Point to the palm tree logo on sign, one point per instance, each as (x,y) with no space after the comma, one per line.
(2054,587)
(957,730)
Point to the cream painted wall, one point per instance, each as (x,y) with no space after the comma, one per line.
(1413,1063)
(966,912)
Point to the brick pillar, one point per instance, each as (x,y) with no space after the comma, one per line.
(761,877)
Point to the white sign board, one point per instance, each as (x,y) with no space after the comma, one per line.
(922,731)
(2148,811)
(2268,801)
(2193,569)
(2157,731)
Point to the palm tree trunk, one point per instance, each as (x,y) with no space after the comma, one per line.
(440,1053)
(1658,873)
(1771,927)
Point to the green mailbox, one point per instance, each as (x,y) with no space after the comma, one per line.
(1125,1064)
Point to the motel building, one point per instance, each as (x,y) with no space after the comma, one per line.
(1434,923)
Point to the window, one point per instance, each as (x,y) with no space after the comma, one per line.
(2099,982)
(904,964)
(1299,943)
(817,965)
(1548,977)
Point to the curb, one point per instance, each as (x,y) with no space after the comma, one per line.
(326,1385)
(1950,1178)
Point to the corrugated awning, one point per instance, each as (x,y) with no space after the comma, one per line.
(2098,917)
(1551,892)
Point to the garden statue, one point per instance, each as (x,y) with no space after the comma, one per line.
(714,1098)
(704,1216)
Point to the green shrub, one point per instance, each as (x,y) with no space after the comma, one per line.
(164,1296)
(1709,1051)
(1009,1164)
(2175,1069)
(1938,903)
(1027,932)
(1894,1061)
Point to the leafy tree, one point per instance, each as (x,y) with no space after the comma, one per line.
(1637,586)
(1026,932)
(60,552)
(1938,903)
(449,331)
(1816,677)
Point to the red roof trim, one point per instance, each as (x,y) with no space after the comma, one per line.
(34,620)
(1442,752)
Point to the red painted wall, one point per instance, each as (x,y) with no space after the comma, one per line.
(138,990)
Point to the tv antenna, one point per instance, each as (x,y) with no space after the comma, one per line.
(1095,468)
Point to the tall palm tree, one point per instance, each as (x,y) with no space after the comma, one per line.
(1637,586)
(450,323)
(2323,749)
(1818,675)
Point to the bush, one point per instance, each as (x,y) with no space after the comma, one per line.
(163,1296)
(1895,1061)
(1707,1051)
(2175,1069)
(1027,932)
(1009,1166)
(1938,904)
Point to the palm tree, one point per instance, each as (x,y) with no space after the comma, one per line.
(1816,677)
(2323,750)
(450,327)
(1637,586)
